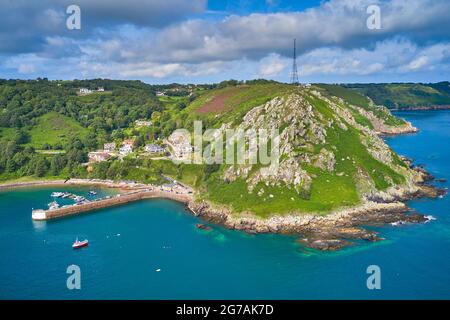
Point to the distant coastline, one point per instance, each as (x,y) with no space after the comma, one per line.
(423,108)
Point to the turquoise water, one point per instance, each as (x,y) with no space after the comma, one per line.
(129,243)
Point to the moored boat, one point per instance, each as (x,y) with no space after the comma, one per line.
(57,194)
(53,205)
(80,244)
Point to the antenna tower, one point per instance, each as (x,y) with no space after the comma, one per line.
(294,74)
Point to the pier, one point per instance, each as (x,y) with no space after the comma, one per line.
(116,200)
(129,191)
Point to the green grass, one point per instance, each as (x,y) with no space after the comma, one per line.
(53,128)
(350,96)
(355,98)
(7,133)
(239,100)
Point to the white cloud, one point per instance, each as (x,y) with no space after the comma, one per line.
(391,56)
(332,39)
(271,66)
(417,63)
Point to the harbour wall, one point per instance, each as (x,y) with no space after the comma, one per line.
(105,203)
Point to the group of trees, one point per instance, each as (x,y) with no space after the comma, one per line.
(108,115)
(22,101)
(17,161)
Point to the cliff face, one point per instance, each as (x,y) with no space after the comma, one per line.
(334,176)
(322,140)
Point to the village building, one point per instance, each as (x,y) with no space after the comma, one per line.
(153,148)
(160,94)
(100,89)
(109,147)
(98,156)
(181,146)
(127,147)
(142,123)
(85,91)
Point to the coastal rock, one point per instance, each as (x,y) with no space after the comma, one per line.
(330,232)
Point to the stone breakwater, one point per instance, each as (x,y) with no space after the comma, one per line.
(119,199)
(129,192)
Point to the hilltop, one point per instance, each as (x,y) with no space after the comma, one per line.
(331,155)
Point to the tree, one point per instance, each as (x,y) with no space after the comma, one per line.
(57,163)
(41,167)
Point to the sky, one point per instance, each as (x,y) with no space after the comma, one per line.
(204,41)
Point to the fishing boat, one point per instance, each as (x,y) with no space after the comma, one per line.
(80,244)
(79,199)
(92,193)
(53,205)
(66,195)
(57,194)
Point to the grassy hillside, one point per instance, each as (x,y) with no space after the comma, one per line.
(354,97)
(54,128)
(405,95)
(231,103)
(329,190)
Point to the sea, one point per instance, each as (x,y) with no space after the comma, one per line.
(152,249)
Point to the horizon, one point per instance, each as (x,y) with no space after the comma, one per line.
(203,41)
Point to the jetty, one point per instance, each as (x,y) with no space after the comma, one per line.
(116,200)
(129,192)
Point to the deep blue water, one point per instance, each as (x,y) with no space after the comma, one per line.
(159,234)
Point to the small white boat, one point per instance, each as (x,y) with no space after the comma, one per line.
(80,244)
(92,193)
(57,194)
(79,199)
(53,205)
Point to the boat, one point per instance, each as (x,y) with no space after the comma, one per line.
(92,193)
(57,194)
(65,195)
(53,205)
(79,199)
(80,244)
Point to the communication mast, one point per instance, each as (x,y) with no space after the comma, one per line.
(294,73)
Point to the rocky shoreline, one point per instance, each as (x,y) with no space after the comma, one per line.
(333,231)
(337,229)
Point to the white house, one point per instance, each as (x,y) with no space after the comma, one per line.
(85,91)
(100,89)
(160,94)
(142,123)
(153,148)
(109,147)
(127,147)
(181,146)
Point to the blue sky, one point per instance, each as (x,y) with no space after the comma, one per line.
(198,41)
